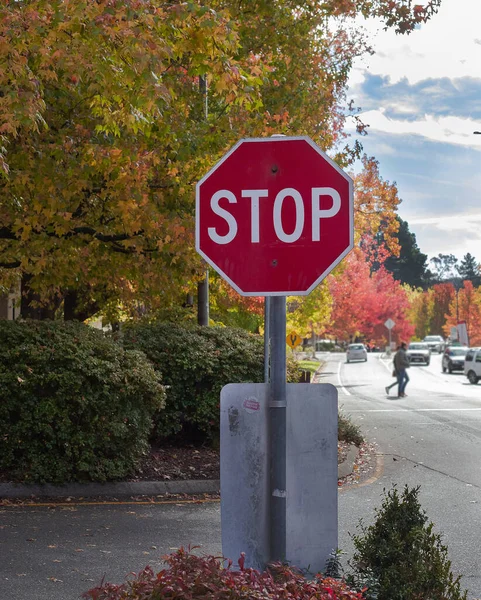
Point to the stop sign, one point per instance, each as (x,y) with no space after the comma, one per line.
(274,216)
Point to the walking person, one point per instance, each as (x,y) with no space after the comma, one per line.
(394,374)
(401,363)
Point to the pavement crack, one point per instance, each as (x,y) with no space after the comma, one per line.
(425,466)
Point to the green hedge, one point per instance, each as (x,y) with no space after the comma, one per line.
(74,406)
(196,362)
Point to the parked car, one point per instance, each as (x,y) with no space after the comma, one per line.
(419,352)
(356,352)
(435,342)
(472,365)
(453,358)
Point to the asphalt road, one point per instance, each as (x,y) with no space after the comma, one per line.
(431,439)
(59,552)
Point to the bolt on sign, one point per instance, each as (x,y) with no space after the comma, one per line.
(274,216)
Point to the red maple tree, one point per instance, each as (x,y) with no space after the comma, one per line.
(363,301)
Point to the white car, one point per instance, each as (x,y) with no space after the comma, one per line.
(472,365)
(356,352)
(435,342)
(419,352)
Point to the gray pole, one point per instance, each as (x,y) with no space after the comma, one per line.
(277,430)
(203,301)
(267,329)
(203,286)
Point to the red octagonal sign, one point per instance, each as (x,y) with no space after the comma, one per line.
(274,216)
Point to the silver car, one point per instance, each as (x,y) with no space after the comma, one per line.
(356,352)
(453,358)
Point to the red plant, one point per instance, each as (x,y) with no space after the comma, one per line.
(190,577)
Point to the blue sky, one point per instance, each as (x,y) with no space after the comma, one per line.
(421,97)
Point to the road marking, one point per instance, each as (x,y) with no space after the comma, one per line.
(387,365)
(340,382)
(415,410)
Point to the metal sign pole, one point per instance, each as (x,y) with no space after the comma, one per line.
(267,335)
(389,324)
(277,430)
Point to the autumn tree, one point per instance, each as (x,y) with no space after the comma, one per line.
(376,202)
(102,140)
(310,316)
(375,208)
(466,306)
(363,300)
(389,301)
(350,292)
(229,308)
(105,131)
(442,297)
(419,314)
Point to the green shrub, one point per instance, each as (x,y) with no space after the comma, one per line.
(196,362)
(205,578)
(402,555)
(347,431)
(74,406)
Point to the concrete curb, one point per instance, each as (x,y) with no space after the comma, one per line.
(121,489)
(347,466)
(135,488)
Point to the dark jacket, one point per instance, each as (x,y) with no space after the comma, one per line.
(401,360)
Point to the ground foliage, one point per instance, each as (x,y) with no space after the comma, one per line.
(204,578)
(74,406)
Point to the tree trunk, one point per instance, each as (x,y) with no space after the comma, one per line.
(73,310)
(28,310)
(203,302)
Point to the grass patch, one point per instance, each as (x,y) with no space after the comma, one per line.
(309,365)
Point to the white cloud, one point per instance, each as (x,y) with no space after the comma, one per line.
(450,222)
(421,116)
(451,129)
(456,235)
(447,46)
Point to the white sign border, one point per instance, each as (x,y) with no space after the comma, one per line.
(279,139)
